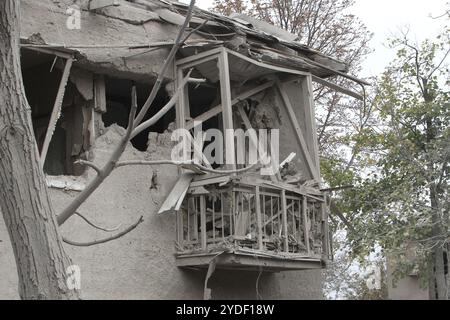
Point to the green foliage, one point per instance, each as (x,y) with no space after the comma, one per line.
(393,205)
(361,291)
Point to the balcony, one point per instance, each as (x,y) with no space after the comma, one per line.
(248,225)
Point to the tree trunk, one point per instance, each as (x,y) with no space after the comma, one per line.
(439,281)
(24,200)
(438,251)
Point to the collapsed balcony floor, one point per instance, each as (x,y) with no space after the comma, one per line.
(240,226)
(248,261)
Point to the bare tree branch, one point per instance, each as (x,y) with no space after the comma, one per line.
(163,110)
(167,62)
(104,240)
(89,164)
(96,226)
(439,64)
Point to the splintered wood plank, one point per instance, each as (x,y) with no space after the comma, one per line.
(284,219)
(178,192)
(56,113)
(259,218)
(305,223)
(183,111)
(266,65)
(254,141)
(203,222)
(180,233)
(301,139)
(181,103)
(208,180)
(326,232)
(227,112)
(183,63)
(100,93)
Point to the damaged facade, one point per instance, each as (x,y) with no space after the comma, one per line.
(247,230)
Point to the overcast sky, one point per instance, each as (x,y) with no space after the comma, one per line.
(385,18)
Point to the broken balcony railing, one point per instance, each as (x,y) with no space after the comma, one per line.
(267,221)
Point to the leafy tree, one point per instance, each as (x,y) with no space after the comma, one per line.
(403,204)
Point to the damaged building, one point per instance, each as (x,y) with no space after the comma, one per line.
(205,234)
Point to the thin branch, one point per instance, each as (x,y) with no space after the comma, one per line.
(335,210)
(416,58)
(195,30)
(439,64)
(89,164)
(446,13)
(338,188)
(96,226)
(104,240)
(167,62)
(163,110)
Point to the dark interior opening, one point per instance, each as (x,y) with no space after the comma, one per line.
(118,105)
(41,77)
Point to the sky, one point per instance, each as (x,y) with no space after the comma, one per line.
(386,18)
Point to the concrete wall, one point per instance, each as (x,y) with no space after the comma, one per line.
(45,22)
(408,287)
(141,265)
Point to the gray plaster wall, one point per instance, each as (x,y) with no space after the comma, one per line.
(101,41)
(141,265)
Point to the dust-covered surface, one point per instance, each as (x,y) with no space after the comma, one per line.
(141,265)
(108,29)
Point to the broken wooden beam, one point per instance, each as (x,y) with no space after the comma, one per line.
(183,110)
(284,218)
(209,179)
(184,63)
(100,93)
(50,51)
(178,192)
(227,112)
(203,222)
(305,223)
(259,218)
(254,141)
(337,87)
(56,113)
(310,121)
